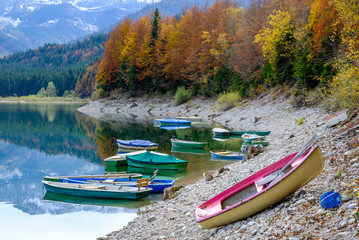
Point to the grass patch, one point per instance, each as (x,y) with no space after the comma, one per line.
(227,101)
(300,121)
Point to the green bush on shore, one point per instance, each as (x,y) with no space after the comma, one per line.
(182,95)
(227,101)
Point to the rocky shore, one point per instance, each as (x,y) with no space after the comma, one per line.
(296,217)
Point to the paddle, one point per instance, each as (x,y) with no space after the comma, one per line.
(274,177)
(153,177)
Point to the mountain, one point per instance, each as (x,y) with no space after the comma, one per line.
(28,24)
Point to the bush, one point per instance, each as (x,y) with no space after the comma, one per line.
(182,95)
(227,101)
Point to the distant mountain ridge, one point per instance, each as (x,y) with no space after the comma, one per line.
(32,23)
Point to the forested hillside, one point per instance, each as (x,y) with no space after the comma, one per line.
(25,73)
(306,44)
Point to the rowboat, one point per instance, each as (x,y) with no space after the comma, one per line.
(102,177)
(174,127)
(259,133)
(155,160)
(157,185)
(137,144)
(97,191)
(120,159)
(188,150)
(262,142)
(336,118)
(262,189)
(226,154)
(220,132)
(248,138)
(176,122)
(188,144)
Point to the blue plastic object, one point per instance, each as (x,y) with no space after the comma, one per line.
(330,199)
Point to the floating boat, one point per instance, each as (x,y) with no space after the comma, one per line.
(188,144)
(336,118)
(226,154)
(262,142)
(136,144)
(157,185)
(262,189)
(188,150)
(155,160)
(120,159)
(259,133)
(99,191)
(248,138)
(176,122)
(175,127)
(220,132)
(172,173)
(102,177)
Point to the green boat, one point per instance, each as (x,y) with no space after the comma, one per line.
(155,160)
(97,191)
(188,150)
(262,142)
(188,144)
(259,133)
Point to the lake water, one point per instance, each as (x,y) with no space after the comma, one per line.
(37,140)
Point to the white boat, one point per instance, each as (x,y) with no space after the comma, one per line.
(220,132)
(248,138)
(336,118)
(120,159)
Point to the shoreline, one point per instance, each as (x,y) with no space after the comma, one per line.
(296,217)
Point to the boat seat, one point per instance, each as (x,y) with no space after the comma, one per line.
(109,180)
(142,183)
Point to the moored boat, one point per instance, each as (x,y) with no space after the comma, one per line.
(336,118)
(102,177)
(188,144)
(155,160)
(97,191)
(176,122)
(119,159)
(262,142)
(262,189)
(137,144)
(259,133)
(227,155)
(188,150)
(157,185)
(220,132)
(248,138)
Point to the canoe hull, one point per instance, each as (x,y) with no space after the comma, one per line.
(85,191)
(188,144)
(102,177)
(297,178)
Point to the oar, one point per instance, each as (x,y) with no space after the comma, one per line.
(153,177)
(274,177)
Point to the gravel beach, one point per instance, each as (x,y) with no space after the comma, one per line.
(296,217)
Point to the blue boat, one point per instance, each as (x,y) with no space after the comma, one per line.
(174,127)
(176,122)
(137,144)
(157,185)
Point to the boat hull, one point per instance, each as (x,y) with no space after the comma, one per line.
(175,122)
(229,156)
(260,200)
(102,177)
(86,190)
(163,166)
(188,144)
(259,133)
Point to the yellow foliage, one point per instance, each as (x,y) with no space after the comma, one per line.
(269,37)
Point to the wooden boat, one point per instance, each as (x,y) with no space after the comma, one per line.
(259,133)
(155,160)
(176,122)
(226,154)
(261,190)
(99,191)
(120,159)
(157,185)
(220,132)
(102,177)
(188,150)
(188,144)
(336,118)
(248,138)
(262,142)
(137,144)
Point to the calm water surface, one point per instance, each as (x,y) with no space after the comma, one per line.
(37,140)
